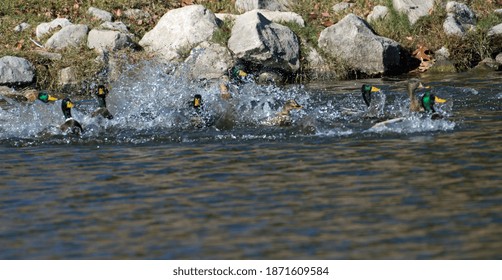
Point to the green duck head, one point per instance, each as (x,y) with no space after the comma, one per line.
(45,97)
(367,90)
(428,101)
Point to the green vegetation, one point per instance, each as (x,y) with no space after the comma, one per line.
(318,14)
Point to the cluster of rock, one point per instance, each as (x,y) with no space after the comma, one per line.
(259,39)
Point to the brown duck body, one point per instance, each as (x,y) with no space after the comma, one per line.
(283,118)
(415,104)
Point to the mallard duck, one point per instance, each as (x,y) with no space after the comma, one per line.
(102,110)
(31,96)
(70,125)
(426,102)
(237,73)
(367,90)
(283,118)
(199,118)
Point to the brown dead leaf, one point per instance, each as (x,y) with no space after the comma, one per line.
(186,3)
(312,16)
(19,45)
(422,53)
(325,14)
(327,23)
(118,12)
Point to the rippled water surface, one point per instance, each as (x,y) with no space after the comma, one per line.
(147,186)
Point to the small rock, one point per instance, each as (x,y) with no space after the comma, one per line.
(136,14)
(278,17)
(498,12)
(68,76)
(495,31)
(498,58)
(116,26)
(271,5)
(452,27)
(461,12)
(340,7)
(47,27)
(21,27)
(100,14)
(442,54)
(415,9)
(108,39)
(379,12)
(69,36)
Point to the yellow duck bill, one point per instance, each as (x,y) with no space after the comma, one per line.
(52,98)
(375,89)
(439,100)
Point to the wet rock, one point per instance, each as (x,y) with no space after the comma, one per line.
(271,5)
(258,40)
(179,30)
(21,27)
(487,64)
(353,41)
(100,14)
(209,61)
(70,36)
(48,27)
(340,7)
(269,77)
(379,12)
(16,71)
(415,9)
(108,39)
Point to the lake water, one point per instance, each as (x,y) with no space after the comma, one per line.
(146,185)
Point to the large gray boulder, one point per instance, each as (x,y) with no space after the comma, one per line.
(15,71)
(70,36)
(415,9)
(46,28)
(109,40)
(354,42)
(179,30)
(258,40)
(209,61)
(271,5)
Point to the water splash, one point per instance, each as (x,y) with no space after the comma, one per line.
(152,102)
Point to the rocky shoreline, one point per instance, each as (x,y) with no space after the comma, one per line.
(261,39)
